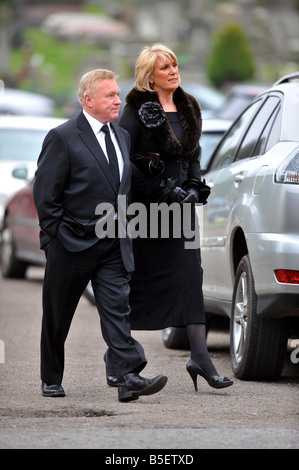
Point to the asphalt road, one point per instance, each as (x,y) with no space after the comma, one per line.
(248,415)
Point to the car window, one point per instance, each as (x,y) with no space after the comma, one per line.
(261,143)
(225,152)
(270,135)
(274,134)
(233,106)
(258,125)
(208,142)
(20,144)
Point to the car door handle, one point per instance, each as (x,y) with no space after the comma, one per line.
(239,178)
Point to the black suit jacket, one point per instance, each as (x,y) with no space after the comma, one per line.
(72,178)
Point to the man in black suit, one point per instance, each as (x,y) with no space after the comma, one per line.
(75,173)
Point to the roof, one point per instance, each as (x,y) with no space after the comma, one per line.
(71,25)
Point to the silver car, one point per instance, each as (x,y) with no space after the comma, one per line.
(250,233)
(21,138)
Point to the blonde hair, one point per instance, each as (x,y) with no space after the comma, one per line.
(88,83)
(145,64)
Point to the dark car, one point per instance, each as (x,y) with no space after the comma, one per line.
(20,235)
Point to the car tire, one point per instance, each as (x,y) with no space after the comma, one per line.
(257,344)
(88,293)
(175,338)
(11,266)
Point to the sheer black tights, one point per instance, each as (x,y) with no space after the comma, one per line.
(199,350)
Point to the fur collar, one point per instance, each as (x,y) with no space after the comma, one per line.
(189,114)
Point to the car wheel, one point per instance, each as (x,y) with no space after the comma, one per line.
(11,267)
(88,293)
(175,338)
(257,344)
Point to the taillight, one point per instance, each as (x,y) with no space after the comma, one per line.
(287,276)
(288,171)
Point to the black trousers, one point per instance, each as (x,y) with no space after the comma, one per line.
(66,277)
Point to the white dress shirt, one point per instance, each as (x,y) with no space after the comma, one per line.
(100,135)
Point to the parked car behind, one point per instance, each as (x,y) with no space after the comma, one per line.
(20,235)
(21,139)
(250,252)
(212,131)
(25,103)
(236,100)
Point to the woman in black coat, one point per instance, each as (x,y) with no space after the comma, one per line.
(164,123)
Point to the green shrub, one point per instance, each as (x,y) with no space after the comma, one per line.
(231,58)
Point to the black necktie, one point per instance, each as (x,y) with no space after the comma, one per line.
(113,162)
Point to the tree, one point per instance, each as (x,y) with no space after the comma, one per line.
(231,58)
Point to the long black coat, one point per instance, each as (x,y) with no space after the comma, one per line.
(166,287)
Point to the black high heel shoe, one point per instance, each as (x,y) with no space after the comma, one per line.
(216,381)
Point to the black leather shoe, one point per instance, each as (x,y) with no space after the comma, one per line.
(111,380)
(132,386)
(52,390)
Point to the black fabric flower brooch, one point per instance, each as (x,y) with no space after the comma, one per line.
(151,114)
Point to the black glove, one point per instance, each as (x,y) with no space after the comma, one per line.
(192,196)
(148,164)
(203,190)
(175,195)
(169,192)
